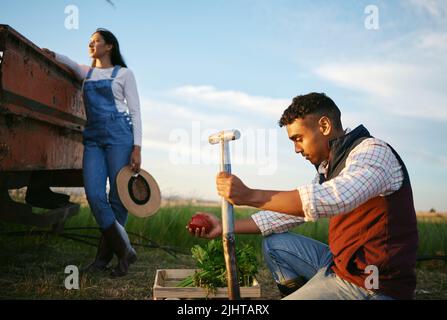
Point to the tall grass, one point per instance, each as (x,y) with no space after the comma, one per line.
(432,235)
(168,227)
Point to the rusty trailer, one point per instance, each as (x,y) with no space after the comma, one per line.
(41,122)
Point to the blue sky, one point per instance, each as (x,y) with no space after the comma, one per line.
(209,65)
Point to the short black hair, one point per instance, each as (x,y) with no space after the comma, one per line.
(311,103)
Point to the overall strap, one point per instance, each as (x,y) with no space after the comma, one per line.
(115,71)
(89,74)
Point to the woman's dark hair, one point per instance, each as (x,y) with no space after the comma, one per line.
(115,56)
(312,103)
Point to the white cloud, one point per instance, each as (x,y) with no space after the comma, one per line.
(173,112)
(374,78)
(433,41)
(397,88)
(179,135)
(436,8)
(161,116)
(232,100)
(430,157)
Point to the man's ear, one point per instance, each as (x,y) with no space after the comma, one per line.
(325,125)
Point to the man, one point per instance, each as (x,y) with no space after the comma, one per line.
(362,185)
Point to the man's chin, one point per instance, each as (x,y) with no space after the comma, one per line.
(314,162)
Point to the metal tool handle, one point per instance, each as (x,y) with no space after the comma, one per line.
(228,239)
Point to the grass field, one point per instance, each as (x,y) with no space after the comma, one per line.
(32,266)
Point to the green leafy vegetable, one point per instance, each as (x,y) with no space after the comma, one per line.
(211,262)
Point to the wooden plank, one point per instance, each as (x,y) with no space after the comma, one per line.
(167,279)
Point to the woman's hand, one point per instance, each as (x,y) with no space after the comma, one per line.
(49,52)
(214,232)
(135,159)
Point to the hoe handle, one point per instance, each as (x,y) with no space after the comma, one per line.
(228,238)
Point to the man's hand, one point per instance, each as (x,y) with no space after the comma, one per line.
(135,159)
(232,189)
(214,232)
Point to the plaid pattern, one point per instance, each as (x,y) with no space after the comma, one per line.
(371,170)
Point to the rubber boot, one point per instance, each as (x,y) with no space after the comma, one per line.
(290,286)
(103,257)
(119,241)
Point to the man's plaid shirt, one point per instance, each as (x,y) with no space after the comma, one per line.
(371,170)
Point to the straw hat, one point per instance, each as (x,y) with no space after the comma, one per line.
(139,192)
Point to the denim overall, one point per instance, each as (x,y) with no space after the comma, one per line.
(108,144)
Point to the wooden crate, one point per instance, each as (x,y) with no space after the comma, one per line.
(166,281)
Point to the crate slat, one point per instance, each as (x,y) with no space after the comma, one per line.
(167,279)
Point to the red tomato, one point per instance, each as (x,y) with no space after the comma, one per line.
(199,221)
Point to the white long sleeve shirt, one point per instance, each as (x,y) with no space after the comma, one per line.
(371,170)
(124,88)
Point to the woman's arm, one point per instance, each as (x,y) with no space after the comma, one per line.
(80,70)
(133,103)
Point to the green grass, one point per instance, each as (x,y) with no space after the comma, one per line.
(432,236)
(168,227)
(32,267)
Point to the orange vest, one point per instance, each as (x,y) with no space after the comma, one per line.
(381,232)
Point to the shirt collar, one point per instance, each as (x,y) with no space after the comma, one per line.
(322,168)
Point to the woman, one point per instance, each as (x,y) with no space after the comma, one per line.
(112,140)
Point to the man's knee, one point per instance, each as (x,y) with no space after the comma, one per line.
(267,243)
(277,247)
(280,242)
(273,241)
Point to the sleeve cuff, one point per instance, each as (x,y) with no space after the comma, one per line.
(308,202)
(260,222)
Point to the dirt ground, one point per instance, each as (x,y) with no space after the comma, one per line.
(37,272)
